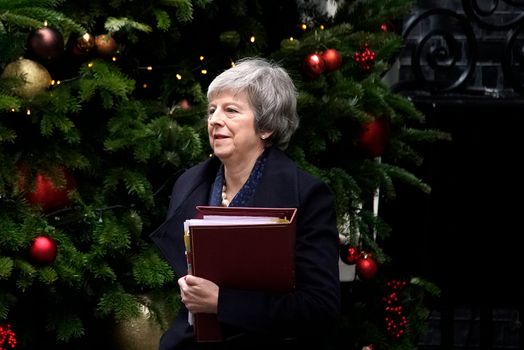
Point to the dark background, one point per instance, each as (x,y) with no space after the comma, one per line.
(465,236)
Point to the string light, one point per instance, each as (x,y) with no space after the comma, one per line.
(144,86)
(13,110)
(203,71)
(114,58)
(28,111)
(201,58)
(303,26)
(178,76)
(322,27)
(252,39)
(90,65)
(149,68)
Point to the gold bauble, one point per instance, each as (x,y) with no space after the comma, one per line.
(35,77)
(140,333)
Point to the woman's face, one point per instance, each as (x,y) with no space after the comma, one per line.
(231,128)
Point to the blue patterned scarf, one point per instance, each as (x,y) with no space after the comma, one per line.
(244,197)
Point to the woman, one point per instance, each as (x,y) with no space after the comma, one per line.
(251,117)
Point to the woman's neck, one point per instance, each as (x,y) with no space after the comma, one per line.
(237,173)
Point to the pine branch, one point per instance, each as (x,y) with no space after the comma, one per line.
(67,325)
(406,177)
(114,24)
(8,103)
(25,274)
(184,9)
(14,4)
(424,135)
(6,267)
(400,150)
(119,304)
(47,275)
(163,21)
(19,20)
(151,271)
(51,17)
(107,80)
(111,237)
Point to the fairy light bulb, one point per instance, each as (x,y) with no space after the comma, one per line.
(178,76)
(201,58)
(303,26)
(149,68)
(252,39)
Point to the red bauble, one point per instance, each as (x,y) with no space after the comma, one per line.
(46,44)
(349,254)
(314,65)
(105,45)
(374,137)
(332,59)
(184,104)
(46,194)
(43,250)
(366,267)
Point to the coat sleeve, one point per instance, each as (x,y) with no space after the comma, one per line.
(315,302)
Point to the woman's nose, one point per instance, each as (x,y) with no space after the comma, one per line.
(216,117)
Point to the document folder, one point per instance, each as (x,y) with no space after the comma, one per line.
(243,248)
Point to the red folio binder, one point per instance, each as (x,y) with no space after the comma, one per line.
(240,255)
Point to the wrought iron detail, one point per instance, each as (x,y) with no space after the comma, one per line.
(472,47)
(513,59)
(482,16)
(443,58)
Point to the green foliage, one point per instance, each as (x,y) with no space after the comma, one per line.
(107,80)
(120,304)
(115,24)
(6,267)
(151,271)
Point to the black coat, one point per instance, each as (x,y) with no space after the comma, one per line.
(253,318)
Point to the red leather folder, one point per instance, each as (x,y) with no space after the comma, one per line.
(242,256)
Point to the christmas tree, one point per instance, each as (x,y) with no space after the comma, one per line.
(101,108)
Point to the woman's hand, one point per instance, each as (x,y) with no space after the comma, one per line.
(198,294)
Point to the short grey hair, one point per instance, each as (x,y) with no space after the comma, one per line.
(271,93)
